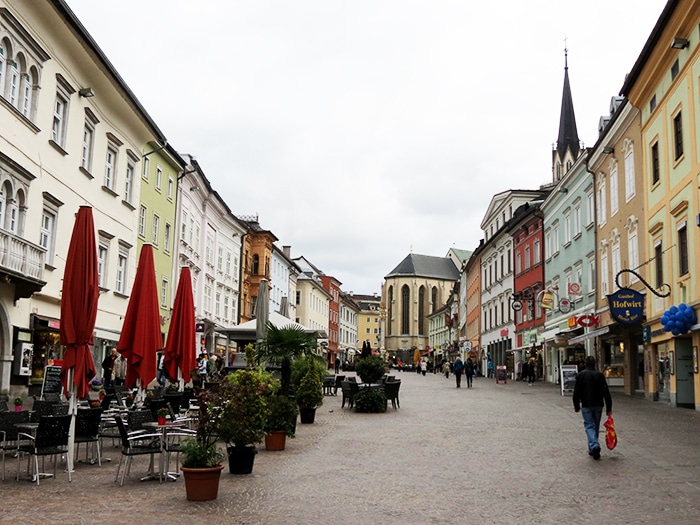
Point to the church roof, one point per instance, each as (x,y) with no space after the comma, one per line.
(426,266)
(568,134)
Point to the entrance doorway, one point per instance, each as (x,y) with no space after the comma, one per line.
(685,388)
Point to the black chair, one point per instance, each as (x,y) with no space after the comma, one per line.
(354,389)
(134,444)
(51,439)
(338,384)
(347,394)
(174,400)
(41,408)
(60,409)
(9,432)
(328,383)
(87,430)
(53,397)
(3,406)
(137,418)
(391,390)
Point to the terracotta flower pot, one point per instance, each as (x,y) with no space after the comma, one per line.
(202,484)
(275,440)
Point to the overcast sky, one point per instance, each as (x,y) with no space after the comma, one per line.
(362,130)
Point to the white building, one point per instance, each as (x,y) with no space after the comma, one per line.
(209,242)
(71,133)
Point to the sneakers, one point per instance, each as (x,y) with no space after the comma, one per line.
(595,453)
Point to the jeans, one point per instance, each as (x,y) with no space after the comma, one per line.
(458,378)
(591,422)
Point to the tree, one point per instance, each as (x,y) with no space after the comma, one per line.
(281,346)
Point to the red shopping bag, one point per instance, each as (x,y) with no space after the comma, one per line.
(610,434)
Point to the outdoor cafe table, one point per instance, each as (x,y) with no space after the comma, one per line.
(163,429)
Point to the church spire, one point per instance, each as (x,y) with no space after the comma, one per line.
(568,135)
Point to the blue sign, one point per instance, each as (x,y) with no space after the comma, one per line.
(626,306)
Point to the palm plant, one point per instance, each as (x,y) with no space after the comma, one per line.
(281,346)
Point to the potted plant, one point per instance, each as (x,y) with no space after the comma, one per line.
(18,404)
(281,422)
(201,458)
(242,415)
(309,396)
(162,414)
(96,384)
(282,346)
(101,393)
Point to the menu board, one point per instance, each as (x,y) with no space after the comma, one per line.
(52,381)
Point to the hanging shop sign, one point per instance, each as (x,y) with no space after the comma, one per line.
(626,306)
(547,300)
(585,321)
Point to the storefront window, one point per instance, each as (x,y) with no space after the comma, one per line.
(614,359)
(46,348)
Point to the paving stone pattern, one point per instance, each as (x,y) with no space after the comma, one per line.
(490,454)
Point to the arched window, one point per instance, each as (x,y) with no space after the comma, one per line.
(390,309)
(3,63)
(27,86)
(6,202)
(434,299)
(256,264)
(405,309)
(421,310)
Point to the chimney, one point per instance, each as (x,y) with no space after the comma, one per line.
(287,251)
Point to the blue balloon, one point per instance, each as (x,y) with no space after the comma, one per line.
(664,319)
(682,306)
(675,332)
(673,309)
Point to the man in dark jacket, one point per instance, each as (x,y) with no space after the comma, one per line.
(590,392)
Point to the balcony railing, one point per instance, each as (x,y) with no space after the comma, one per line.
(22,261)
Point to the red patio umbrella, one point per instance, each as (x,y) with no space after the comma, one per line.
(181,346)
(78,315)
(79,306)
(141,337)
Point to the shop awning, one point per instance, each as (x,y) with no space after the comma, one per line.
(589,335)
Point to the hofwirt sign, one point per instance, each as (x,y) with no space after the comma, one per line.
(626,306)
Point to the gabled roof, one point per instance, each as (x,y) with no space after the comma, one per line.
(426,266)
(568,134)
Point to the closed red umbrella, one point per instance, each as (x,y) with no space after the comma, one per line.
(79,305)
(78,315)
(141,337)
(181,346)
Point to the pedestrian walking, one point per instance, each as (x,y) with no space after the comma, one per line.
(119,370)
(590,392)
(423,367)
(457,369)
(160,375)
(489,368)
(446,369)
(107,367)
(531,370)
(469,372)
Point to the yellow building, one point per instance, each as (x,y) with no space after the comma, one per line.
(663,86)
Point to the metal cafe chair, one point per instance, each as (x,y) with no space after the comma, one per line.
(134,444)
(9,433)
(50,439)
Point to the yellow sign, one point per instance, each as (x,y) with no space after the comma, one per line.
(547,300)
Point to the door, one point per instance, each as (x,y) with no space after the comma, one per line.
(685,388)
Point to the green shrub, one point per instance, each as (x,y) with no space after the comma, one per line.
(370,369)
(309,394)
(283,413)
(370,400)
(301,365)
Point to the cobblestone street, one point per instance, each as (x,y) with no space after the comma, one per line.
(490,454)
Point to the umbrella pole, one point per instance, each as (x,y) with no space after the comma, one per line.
(73,411)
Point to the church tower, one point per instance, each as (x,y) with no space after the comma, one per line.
(567,148)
